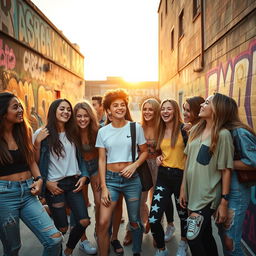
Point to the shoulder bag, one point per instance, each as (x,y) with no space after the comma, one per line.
(143,170)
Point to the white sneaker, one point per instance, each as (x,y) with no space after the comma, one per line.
(87,247)
(194,226)
(169,233)
(162,253)
(182,249)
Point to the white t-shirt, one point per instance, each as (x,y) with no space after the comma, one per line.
(118,143)
(65,166)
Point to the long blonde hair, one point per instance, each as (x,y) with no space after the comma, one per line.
(177,121)
(156,119)
(93,126)
(223,113)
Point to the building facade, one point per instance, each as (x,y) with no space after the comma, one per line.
(37,62)
(137,91)
(209,46)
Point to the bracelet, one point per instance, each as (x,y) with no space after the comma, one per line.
(38,178)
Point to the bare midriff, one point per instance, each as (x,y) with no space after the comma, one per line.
(21,176)
(117,167)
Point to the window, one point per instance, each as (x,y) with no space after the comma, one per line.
(181,24)
(166,7)
(172,39)
(57,94)
(196,7)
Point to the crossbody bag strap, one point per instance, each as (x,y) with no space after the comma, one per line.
(133,138)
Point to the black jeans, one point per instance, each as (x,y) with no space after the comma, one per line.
(57,205)
(168,182)
(204,244)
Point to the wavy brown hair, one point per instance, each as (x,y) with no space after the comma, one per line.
(195,105)
(233,119)
(93,126)
(22,133)
(177,121)
(112,95)
(225,115)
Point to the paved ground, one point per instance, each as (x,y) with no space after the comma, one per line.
(32,247)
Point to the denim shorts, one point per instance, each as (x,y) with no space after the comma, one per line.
(117,184)
(92,166)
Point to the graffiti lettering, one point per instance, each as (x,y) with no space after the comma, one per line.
(7,56)
(236,80)
(19,20)
(34,65)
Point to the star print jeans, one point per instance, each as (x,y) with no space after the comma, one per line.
(168,182)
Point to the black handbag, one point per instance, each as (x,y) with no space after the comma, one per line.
(143,170)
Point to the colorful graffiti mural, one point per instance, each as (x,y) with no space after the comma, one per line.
(7,56)
(20,21)
(237,78)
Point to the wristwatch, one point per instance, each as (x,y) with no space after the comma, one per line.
(38,178)
(226,196)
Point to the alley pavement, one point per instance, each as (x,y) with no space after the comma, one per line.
(32,247)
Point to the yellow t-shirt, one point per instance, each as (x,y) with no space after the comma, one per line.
(173,157)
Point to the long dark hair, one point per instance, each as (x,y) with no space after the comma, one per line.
(22,133)
(54,142)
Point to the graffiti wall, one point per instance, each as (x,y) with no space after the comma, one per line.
(19,20)
(237,78)
(27,75)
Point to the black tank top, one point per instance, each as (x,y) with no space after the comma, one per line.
(19,164)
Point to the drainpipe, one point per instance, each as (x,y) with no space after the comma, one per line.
(201,63)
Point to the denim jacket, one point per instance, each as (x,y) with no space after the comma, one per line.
(44,163)
(245,146)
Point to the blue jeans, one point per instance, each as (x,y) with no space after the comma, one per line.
(238,204)
(16,203)
(131,189)
(75,200)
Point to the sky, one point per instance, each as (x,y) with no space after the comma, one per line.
(116,37)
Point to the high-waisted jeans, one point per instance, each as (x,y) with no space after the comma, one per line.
(17,202)
(131,189)
(168,183)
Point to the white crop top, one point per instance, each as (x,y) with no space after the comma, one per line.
(117,142)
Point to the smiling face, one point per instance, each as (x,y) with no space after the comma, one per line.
(148,112)
(63,112)
(186,113)
(167,112)
(14,112)
(82,118)
(117,109)
(206,110)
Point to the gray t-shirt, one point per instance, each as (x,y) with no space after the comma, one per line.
(203,175)
(117,142)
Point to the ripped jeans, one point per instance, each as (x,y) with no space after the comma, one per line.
(17,203)
(131,189)
(239,198)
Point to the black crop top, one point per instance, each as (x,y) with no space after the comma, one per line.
(19,164)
